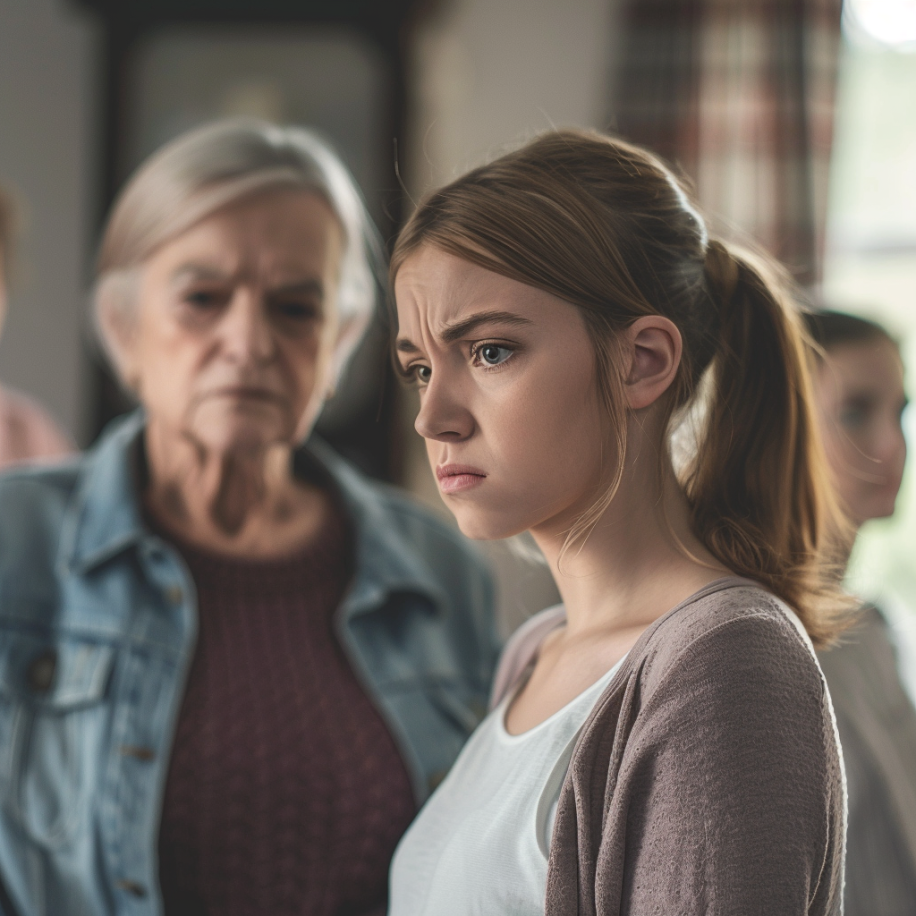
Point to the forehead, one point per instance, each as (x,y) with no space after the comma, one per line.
(296,230)
(436,279)
(874,367)
(878,356)
(435,289)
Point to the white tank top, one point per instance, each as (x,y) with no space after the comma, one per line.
(479,847)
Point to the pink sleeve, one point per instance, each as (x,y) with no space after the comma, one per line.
(27,432)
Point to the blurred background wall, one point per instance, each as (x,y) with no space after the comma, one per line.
(795,127)
(48,144)
(489,74)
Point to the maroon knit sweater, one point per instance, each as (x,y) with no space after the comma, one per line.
(286,794)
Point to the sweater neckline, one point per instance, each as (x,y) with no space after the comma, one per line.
(325,546)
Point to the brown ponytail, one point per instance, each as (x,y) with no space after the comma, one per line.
(757,484)
(605,226)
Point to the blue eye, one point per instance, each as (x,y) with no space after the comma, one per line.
(492,355)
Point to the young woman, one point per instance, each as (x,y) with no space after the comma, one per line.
(859,392)
(662,742)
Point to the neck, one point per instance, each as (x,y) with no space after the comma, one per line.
(211,495)
(844,550)
(640,559)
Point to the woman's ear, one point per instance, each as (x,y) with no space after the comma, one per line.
(116,321)
(654,344)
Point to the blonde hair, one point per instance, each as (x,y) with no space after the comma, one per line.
(606,226)
(211,167)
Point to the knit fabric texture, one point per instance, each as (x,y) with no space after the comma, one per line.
(286,794)
(708,777)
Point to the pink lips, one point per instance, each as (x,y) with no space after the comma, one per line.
(454,478)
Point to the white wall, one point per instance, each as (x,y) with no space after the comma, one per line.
(489,74)
(47,129)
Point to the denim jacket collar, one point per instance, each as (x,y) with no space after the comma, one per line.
(104,517)
(104,520)
(385,560)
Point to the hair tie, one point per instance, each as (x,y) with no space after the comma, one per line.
(721,271)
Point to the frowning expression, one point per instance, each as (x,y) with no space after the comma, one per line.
(508,401)
(236,323)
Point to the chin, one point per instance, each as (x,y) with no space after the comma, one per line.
(872,511)
(242,437)
(484,526)
(241,426)
(882,511)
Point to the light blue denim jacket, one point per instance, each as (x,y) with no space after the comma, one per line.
(97,630)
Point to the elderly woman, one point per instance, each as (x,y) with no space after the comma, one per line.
(230,667)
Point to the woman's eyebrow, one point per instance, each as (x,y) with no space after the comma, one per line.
(460,329)
(205,273)
(309,287)
(194,272)
(403,345)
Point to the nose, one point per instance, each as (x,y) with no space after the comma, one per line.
(443,415)
(246,333)
(891,444)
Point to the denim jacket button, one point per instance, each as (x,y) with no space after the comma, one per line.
(132,887)
(41,671)
(174,594)
(146,754)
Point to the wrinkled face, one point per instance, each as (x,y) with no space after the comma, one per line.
(508,401)
(236,326)
(861,399)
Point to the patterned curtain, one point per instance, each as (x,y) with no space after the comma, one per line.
(738,95)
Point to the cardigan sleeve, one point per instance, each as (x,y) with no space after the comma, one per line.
(734,787)
(721,790)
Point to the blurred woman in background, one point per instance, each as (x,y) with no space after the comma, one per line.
(230,666)
(860,395)
(27,433)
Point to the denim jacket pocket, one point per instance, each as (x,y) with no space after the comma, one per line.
(53,721)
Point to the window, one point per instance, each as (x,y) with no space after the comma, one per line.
(870,265)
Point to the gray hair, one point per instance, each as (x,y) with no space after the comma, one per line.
(210,167)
